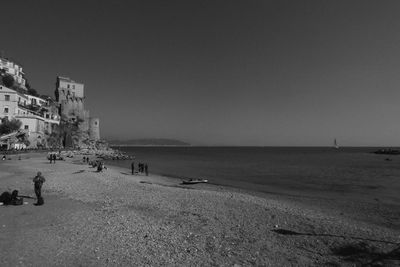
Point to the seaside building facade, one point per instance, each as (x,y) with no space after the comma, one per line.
(15,70)
(38,116)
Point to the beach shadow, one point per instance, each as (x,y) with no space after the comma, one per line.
(360,253)
(126,173)
(80,171)
(367,254)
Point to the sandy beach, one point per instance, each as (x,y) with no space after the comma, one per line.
(116,219)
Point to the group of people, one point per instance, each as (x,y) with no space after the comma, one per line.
(97,164)
(7,198)
(142,167)
(52,158)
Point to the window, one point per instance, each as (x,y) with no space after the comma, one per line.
(6,110)
(68,86)
(26,127)
(19,99)
(7,97)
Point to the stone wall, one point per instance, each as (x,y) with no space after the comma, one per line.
(94,129)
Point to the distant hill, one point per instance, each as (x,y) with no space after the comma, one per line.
(148,142)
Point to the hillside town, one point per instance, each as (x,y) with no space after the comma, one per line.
(30,120)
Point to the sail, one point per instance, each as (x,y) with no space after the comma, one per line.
(335,144)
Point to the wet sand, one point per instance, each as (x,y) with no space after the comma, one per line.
(116,219)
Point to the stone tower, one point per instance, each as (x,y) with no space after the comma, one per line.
(70,96)
(94,129)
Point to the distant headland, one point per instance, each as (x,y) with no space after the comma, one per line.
(148,142)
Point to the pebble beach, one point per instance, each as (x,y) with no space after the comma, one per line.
(113,218)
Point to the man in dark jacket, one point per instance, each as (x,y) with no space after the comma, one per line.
(38,182)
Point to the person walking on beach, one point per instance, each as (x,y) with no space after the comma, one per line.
(146,169)
(51,158)
(38,182)
(141,167)
(133,167)
(54,158)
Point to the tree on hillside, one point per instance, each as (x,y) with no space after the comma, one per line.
(32,92)
(8,80)
(27,85)
(7,126)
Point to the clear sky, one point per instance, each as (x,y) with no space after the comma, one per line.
(220,72)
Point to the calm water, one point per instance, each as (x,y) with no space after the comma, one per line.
(347,173)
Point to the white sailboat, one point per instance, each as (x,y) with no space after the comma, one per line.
(335,144)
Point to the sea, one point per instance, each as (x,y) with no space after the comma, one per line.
(349,173)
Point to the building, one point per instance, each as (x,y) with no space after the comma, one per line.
(35,101)
(13,140)
(38,116)
(71,99)
(35,127)
(12,103)
(15,70)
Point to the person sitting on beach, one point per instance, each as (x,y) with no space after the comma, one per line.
(38,183)
(100,167)
(94,164)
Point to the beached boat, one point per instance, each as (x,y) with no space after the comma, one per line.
(194,181)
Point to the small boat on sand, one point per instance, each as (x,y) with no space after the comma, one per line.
(194,181)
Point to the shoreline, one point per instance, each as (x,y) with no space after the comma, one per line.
(360,210)
(113,218)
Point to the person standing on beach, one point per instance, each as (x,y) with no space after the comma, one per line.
(51,158)
(38,182)
(133,167)
(146,169)
(54,158)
